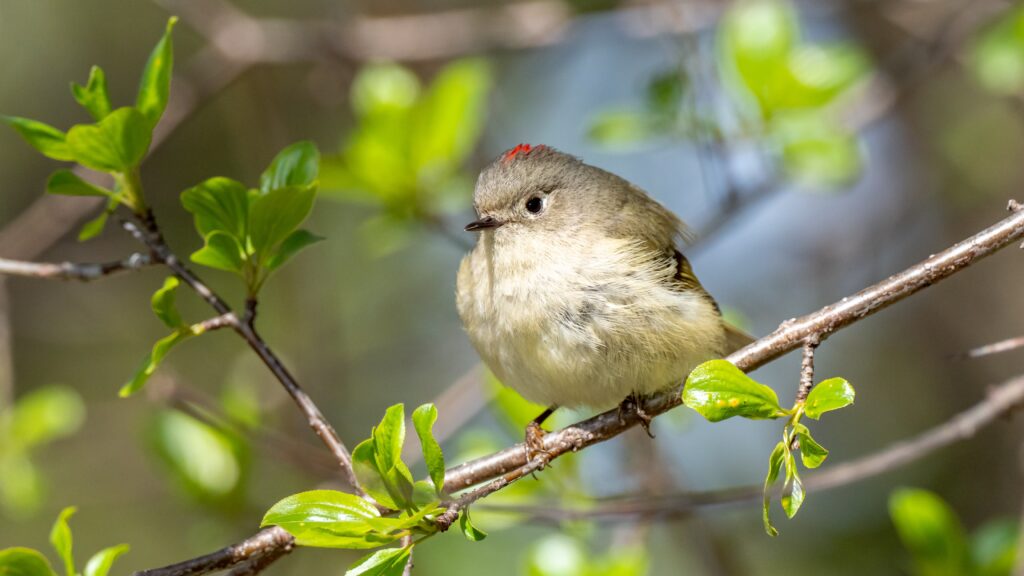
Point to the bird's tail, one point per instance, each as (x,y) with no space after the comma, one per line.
(735,338)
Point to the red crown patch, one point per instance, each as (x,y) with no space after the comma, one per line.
(524,149)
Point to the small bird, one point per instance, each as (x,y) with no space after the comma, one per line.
(576,293)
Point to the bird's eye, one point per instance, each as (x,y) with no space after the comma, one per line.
(534,205)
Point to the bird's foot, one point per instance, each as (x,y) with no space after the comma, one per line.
(634,403)
(535,444)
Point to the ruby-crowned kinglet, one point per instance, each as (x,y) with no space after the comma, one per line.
(576,293)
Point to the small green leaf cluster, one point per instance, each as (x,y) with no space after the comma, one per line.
(407,151)
(253,231)
(719,390)
(34,420)
(332,519)
(996,54)
(28,562)
(250,232)
(789,83)
(938,544)
(115,144)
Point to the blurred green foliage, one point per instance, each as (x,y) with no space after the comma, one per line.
(562,555)
(784,89)
(34,420)
(408,149)
(29,562)
(938,544)
(210,464)
(996,55)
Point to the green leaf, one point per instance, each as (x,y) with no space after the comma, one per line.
(24,562)
(45,414)
(811,453)
(382,88)
(387,562)
(94,227)
(221,251)
(364,462)
(276,214)
(774,466)
(423,419)
(389,436)
(115,144)
(794,497)
(218,204)
(60,539)
(450,118)
(930,530)
(994,548)
(291,246)
(51,142)
(155,84)
(93,96)
(755,39)
(100,563)
(832,394)
(622,128)
(718,390)
(820,72)
(823,158)
(208,463)
(164,306)
(327,519)
(297,165)
(67,183)
(997,54)
(472,533)
(149,365)
(22,489)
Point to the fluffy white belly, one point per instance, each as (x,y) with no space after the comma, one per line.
(587,330)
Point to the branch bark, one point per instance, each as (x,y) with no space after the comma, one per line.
(999,401)
(267,544)
(83,272)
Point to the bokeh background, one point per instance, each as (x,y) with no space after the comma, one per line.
(814,148)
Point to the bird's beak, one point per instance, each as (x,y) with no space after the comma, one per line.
(483,224)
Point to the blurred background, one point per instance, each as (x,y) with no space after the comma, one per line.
(813,147)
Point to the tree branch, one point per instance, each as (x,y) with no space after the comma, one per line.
(268,544)
(83,272)
(999,401)
(161,252)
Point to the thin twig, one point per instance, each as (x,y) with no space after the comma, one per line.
(84,272)
(789,336)
(807,369)
(152,238)
(228,320)
(993,348)
(273,541)
(999,401)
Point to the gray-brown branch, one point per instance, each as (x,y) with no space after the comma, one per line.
(151,237)
(259,550)
(999,401)
(80,271)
